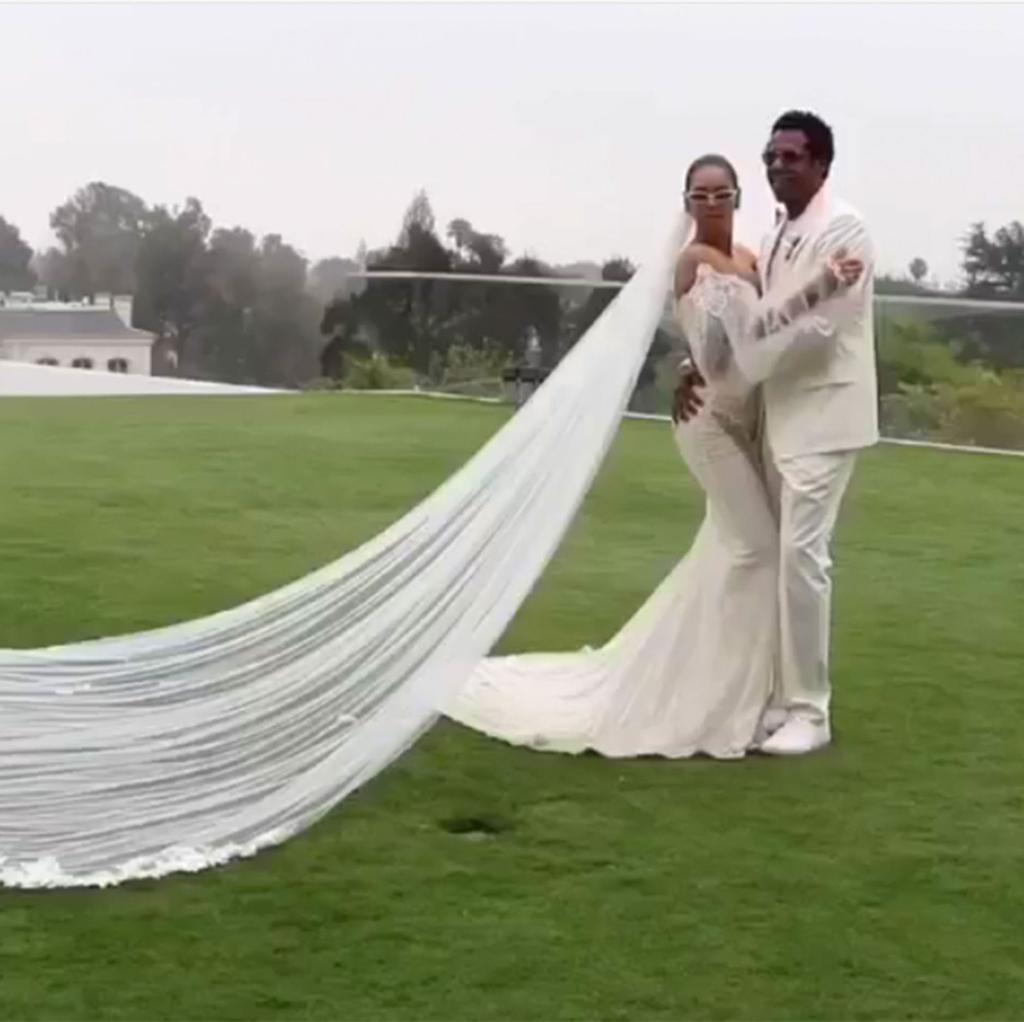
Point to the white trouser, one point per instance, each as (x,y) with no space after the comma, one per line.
(807,492)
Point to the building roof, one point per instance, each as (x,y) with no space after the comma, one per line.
(66,325)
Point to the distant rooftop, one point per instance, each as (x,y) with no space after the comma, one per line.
(24,315)
(37,301)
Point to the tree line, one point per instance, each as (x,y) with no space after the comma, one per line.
(960,380)
(221,303)
(224,304)
(227,305)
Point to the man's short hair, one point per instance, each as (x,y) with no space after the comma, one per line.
(820,143)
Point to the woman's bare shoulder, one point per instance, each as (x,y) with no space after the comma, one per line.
(745,257)
(695,255)
(686,269)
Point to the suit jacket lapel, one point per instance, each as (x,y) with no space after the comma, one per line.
(815,220)
(770,253)
(792,253)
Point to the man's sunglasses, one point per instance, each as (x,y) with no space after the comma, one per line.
(787,157)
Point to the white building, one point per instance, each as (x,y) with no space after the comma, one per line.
(74,334)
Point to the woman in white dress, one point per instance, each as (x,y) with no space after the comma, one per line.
(690,673)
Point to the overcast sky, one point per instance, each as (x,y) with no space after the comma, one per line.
(563,127)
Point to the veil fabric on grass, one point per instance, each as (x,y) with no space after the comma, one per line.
(188,746)
(185,747)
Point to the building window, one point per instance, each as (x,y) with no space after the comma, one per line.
(47,361)
(81,363)
(117,365)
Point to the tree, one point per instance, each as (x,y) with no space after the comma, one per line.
(929,392)
(282,331)
(476,252)
(617,269)
(522,307)
(406,320)
(15,259)
(912,354)
(340,323)
(332,278)
(621,270)
(993,266)
(418,221)
(53,268)
(170,273)
(993,269)
(100,228)
(230,284)
(258,324)
(918,270)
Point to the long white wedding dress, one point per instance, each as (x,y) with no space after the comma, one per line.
(690,673)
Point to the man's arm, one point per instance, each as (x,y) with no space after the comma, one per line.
(844,239)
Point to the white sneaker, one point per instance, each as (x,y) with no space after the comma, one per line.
(797,737)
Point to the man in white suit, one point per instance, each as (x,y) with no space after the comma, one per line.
(820,408)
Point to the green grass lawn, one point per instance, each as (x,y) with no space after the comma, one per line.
(879,880)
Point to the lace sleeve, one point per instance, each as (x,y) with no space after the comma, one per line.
(808,314)
(714,296)
(810,304)
(776,315)
(758,331)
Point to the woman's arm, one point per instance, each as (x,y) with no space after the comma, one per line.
(746,266)
(697,253)
(841,273)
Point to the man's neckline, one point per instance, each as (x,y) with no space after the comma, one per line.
(816,202)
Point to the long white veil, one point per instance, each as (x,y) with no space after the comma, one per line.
(185,747)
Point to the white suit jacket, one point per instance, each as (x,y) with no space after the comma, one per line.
(822,396)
